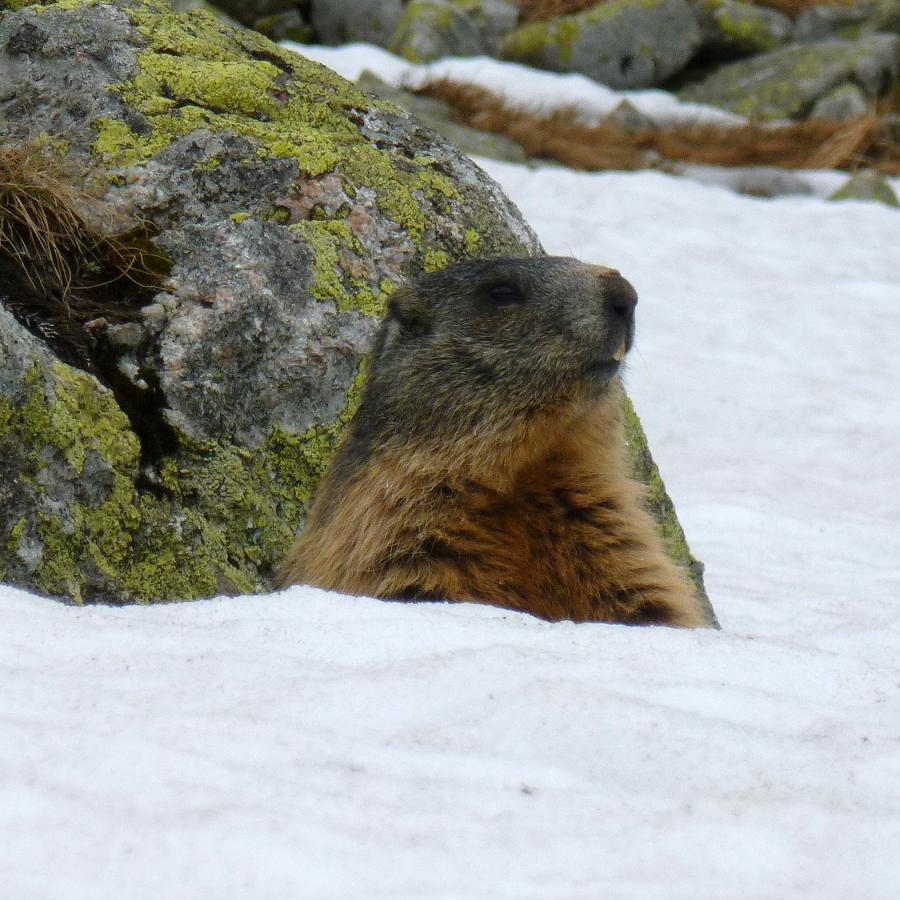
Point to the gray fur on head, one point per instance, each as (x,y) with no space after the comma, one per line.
(492,340)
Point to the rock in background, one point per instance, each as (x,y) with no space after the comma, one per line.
(624,43)
(787,83)
(347,21)
(431,29)
(730,28)
(869,187)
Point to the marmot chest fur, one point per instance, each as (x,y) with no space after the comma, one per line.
(487,460)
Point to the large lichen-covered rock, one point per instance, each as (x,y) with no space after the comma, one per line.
(731,28)
(786,83)
(288,204)
(624,43)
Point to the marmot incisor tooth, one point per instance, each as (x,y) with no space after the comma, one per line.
(487,461)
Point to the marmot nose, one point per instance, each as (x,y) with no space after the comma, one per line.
(621,297)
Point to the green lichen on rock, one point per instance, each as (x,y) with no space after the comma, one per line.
(623,43)
(528,43)
(335,248)
(786,83)
(660,505)
(198,73)
(222,515)
(868,186)
(430,29)
(67,419)
(734,27)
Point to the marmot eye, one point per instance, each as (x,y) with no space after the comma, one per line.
(505,293)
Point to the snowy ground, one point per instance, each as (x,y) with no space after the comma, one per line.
(306,745)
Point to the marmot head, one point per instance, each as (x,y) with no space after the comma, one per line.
(481,343)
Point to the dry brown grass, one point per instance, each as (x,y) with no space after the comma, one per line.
(46,235)
(559,136)
(535,10)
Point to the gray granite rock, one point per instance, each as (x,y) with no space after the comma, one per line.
(847,21)
(494,19)
(247,12)
(731,28)
(753,181)
(289,204)
(431,29)
(867,185)
(347,21)
(625,43)
(787,83)
(845,102)
(629,118)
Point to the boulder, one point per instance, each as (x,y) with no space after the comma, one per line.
(288,25)
(842,104)
(624,44)
(288,204)
(732,28)
(244,11)
(753,181)
(277,19)
(787,83)
(629,118)
(346,21)
(869,186)
(432,29)
(847,21)
(494,19)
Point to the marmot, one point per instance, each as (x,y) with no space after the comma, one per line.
(487,461)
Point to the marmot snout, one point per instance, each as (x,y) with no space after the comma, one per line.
(486,461)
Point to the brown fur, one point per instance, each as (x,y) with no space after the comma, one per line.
(555,529)
(532,511)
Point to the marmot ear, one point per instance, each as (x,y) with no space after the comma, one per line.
(410,310)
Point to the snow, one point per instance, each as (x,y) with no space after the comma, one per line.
(308,745)
(523,87)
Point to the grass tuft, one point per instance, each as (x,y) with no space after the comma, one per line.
(47,230)
(48,236)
